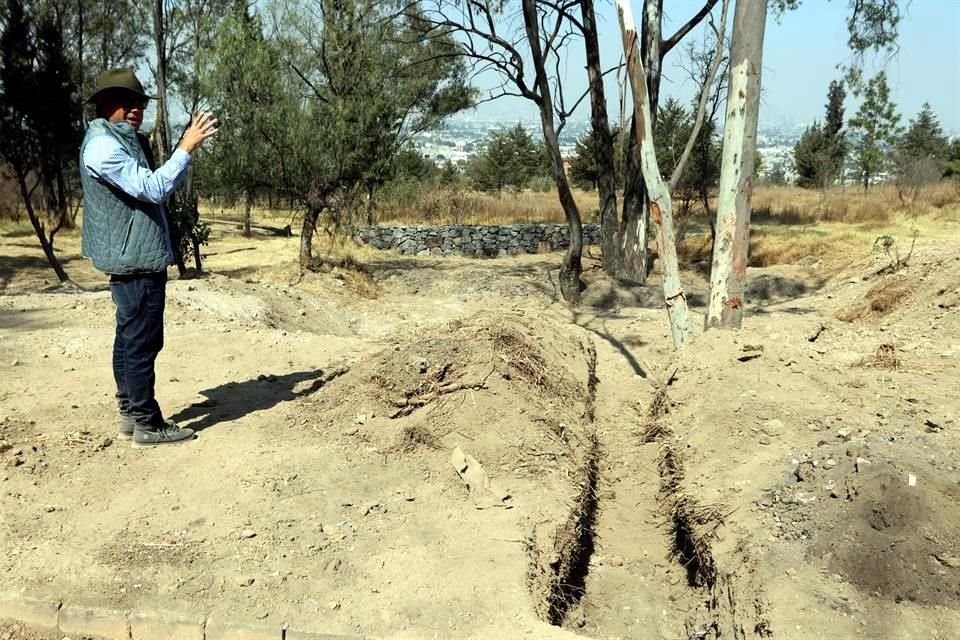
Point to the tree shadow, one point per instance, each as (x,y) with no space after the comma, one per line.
(235,400)
(617,343)
(26,319)
(10,266)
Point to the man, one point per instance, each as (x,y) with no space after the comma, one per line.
(127,235)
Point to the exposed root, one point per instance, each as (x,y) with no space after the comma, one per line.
(694,527)
(659,405)
(557,581)
(655,431)
(417,399)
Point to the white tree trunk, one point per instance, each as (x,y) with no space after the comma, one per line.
(732,244)
(661,211)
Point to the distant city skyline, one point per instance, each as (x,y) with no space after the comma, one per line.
(801,53)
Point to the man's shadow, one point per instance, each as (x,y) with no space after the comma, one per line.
(234,400)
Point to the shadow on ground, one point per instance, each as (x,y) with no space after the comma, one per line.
(235,400)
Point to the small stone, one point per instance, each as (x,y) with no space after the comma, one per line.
(765,439)
(15,363)
(303,312)
(263,615)
(350,431)
(333,605)
(951,561)
(791,572)
(50,508)
(246,534)
(773,427)
(361,418)
(934,424)
(829,463)
(861,463)
(616,561)
(106,443)
(911,480)
(844,433)
(246,582)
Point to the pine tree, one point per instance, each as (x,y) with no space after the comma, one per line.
(877,127)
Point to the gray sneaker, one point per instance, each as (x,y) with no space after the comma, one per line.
(167,433)
(128,426)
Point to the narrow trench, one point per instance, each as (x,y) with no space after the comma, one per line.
(560,583)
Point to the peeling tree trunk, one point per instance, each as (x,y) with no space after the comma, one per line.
(571,267)
(635,226)
(732,242)
(603,144)
(661,211)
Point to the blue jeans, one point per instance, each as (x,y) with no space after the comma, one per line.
(140,300)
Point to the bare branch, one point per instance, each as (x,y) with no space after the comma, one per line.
(672,41)
(705,91)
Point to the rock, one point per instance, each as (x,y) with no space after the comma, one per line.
(246,534)
(106,443)
(765,439)
(616,561)
(15,363)
(350,431)
(246,582)
(773,427)
(50,508)
(333,605)
(791,572)
(829,463)
(5,446)
(934,424)
(861,463)
(263,615)
(845,433)
(361,418)
(949,561)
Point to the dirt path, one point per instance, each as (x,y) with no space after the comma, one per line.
(773,498)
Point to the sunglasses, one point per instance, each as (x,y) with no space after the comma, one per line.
(134,102)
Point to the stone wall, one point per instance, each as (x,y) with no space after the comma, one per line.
(473,240)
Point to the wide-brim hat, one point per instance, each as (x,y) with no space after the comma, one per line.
(123,78)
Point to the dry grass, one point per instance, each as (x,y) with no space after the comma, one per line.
(415,437)
(880,300)
(885,358)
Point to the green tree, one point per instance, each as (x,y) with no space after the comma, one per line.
(27,142)
(921,155)
(247,94)
(876,126)
(924,137)
(510,158)
(583,165)
(820,153)
(364,81)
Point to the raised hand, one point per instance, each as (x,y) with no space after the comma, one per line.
(204,126)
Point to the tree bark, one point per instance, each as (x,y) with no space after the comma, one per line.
(602,144)
(731,249)
(247,205)
(661,211)
(38,228)
(571,267)
(310,220)
(161,131)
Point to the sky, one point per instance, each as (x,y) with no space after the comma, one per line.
(800,58)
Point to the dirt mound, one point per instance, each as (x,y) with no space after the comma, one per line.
(894,539)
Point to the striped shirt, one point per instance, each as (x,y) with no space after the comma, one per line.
(107,160)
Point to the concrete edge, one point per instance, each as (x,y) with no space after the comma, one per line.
(113,624)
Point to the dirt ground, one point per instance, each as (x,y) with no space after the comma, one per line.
(438,448)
